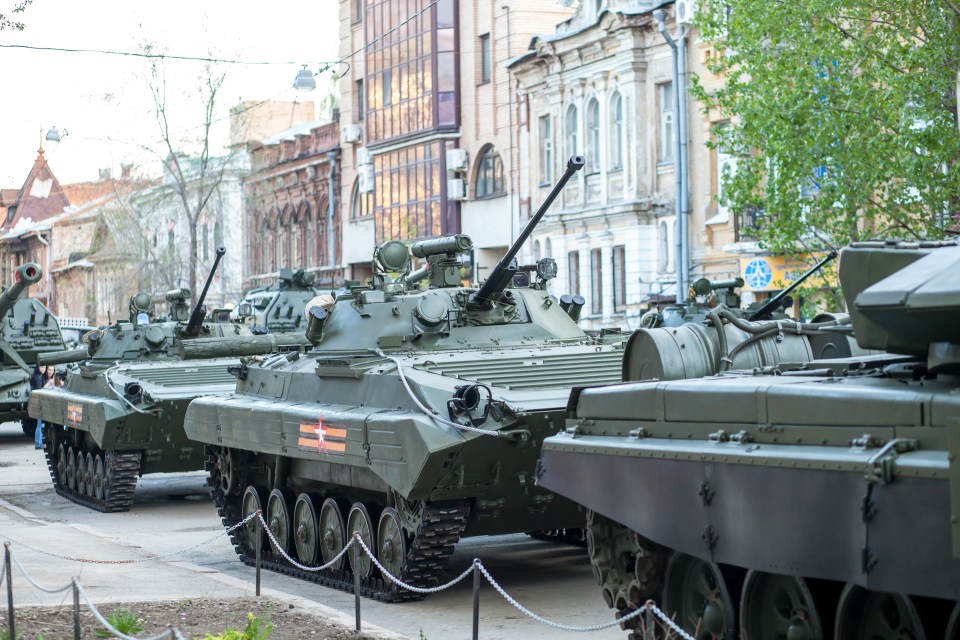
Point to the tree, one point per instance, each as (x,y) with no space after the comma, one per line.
(6,22)
(194,173)
(843,114)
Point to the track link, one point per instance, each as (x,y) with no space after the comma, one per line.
(439,531)
(121,468)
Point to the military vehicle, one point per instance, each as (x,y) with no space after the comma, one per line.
(29,329)
(416,418)
(791,500)
(279,307)
(120,411)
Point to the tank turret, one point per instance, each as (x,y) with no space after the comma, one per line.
(26,275)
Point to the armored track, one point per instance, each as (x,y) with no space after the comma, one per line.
(438,533)
(120,472)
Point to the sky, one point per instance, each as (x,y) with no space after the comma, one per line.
(104,101)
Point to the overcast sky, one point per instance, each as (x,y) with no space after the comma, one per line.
(103,101)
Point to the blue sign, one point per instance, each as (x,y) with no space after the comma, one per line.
(757,274)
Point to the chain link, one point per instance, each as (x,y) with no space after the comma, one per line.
(399,582)
(170,634)
(282,552)
(667,620)
(139,560)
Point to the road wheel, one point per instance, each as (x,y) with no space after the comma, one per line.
(253,500)
(778,606)
(279,520)
(881,616)
(71,468)
(99,478)
(333,533)
(358,521)
(391,542)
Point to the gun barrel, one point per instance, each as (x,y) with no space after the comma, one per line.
(502,274)
(240,346)
(771,304)
(196,318)
(64,356)
(27,274)
(449,244)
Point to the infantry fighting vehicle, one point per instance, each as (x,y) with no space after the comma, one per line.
(120,411)
(28,329)
(791,500)
(416,418)
(278,308)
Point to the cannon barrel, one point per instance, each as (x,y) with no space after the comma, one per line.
(502,274)
(64,356)
(28,274)
(459,243)
(763,312)
(196,318)
(240,346)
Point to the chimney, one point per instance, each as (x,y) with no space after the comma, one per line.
(105,174)
(125,170)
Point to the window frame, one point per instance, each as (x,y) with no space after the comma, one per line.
(486,66)
(489,174)
(667,122)
(596,282)
(615,150)
(544,126)
(618,260)
(592,132)
(573,272)
(571,130)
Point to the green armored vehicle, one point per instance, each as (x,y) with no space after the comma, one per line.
(791,500)
(278,308)
(28,330)
(119,414)
(416,418)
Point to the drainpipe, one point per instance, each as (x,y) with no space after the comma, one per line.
(684,153)
(679,228)
(331,208)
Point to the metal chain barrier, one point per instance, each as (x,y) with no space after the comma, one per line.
(162,556)
(36,585)
(667,620)
(282,552)
(170,634)
(401,583)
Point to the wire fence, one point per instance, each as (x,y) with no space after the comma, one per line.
(653,622)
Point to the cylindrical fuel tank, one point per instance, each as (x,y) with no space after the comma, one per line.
(694,351)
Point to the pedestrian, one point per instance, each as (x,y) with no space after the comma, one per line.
(40,378)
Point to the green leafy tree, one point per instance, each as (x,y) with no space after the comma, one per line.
(843,114)
(8,22)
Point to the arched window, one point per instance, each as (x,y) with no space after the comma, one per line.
(362,203)
(320,242)
(536,250)
(570,127)
(593,136)
(296,242)
(306,222)
(489,179)
(547,248)
(616,132)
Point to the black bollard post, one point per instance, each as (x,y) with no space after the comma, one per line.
(76,611)
(356,576)
(9,569)
(476,599)
(259,548)
(650,621)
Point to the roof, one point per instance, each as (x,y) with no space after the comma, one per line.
(40,197)
(301,129)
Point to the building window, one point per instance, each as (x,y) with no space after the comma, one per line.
(357,10)
(593,136)
(536,251)
(619,279)
(386,87)
(548,248)
(362,203)
(570,125)
(546,151)
(663,258)
(485,58)
(489,178)
(667,122)
(573,272)
(217,234)
(361,103)
(407,185)
(596,282)
(205,242)
(616,132)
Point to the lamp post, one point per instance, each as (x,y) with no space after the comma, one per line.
(679,50)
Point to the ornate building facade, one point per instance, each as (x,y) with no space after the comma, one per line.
(292,213)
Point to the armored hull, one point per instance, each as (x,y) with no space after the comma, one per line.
(801,501)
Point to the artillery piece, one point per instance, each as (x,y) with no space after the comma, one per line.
(120,411)
(29,330)
(780,498)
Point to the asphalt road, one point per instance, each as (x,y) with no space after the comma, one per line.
(172,514)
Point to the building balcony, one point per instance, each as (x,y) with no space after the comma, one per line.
(749,224)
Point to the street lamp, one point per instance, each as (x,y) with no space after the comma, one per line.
(55,135)
(304,81)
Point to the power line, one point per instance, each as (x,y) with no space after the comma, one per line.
(141,54)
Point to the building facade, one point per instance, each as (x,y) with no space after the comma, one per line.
(293,211)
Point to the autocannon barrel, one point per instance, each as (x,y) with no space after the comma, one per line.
(448,244)
(196,318)
(28,274)
(240,346)
(65,356)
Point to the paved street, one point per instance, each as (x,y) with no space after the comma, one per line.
(173,512)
